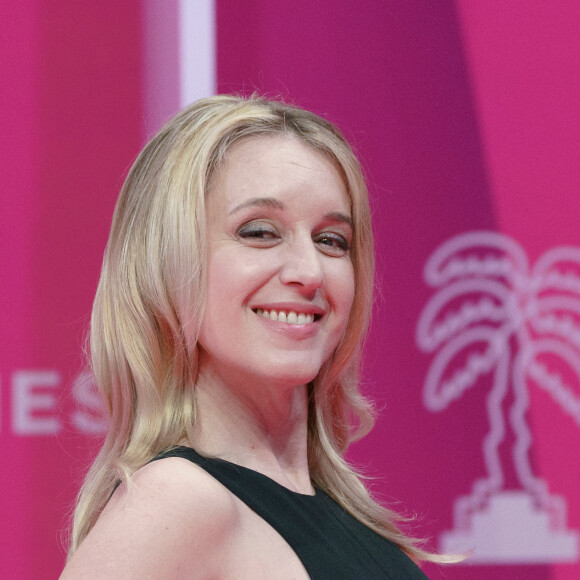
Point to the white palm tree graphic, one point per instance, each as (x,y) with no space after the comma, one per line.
(491,314)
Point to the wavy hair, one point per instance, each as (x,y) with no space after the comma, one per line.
(150,302)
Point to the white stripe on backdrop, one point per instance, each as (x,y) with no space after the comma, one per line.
(179,62)
(197,50)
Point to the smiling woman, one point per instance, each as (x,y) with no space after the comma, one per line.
(235,292)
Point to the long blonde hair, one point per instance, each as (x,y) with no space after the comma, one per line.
(150,302)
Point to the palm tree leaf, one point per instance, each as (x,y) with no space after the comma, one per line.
(550,380)
(439,321)
(558,269)
(446,382)
(461,257)
(557,315)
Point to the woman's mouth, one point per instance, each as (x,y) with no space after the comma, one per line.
(288,316)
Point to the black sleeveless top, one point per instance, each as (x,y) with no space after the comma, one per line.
(330,543)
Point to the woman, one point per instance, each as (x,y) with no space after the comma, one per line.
(235,292)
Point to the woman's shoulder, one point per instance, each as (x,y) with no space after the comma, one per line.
(172,515)
(175,486)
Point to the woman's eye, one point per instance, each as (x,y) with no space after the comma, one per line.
(258,232)
(332,243)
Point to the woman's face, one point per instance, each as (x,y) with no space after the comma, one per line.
(280,277)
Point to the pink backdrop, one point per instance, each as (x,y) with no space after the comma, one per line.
(465,117)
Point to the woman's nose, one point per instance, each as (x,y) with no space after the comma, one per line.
(303,265)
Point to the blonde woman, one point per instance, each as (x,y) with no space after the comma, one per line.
(225,337)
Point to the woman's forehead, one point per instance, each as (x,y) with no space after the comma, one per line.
(276,166)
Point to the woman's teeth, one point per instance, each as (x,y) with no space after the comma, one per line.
(284,316)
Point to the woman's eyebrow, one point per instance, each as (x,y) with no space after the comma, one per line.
(272,202)
(338,216)
(260,202)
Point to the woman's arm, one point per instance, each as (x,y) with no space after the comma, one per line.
(173,522)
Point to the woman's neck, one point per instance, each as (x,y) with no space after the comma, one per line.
(259,426)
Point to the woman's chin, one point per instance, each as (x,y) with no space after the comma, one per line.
(289,375)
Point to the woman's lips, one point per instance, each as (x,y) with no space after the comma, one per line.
(294,324)
(287,316)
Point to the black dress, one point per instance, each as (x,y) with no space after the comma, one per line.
(330,543)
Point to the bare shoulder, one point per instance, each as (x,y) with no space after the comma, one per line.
(174,516)
(176,487)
